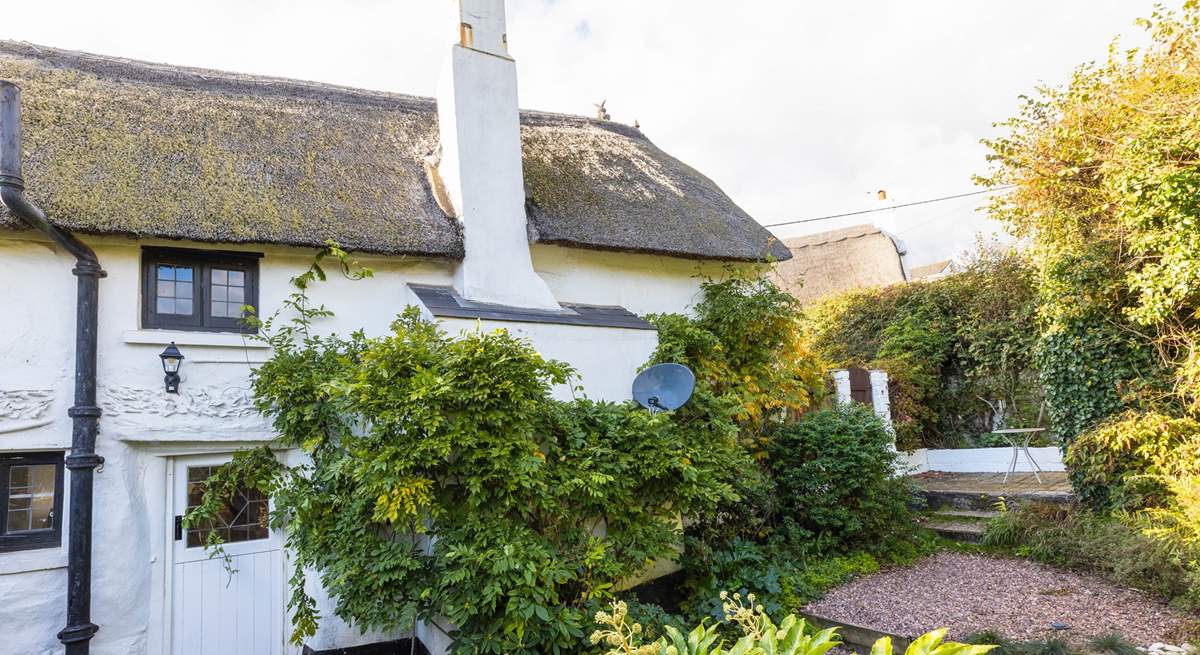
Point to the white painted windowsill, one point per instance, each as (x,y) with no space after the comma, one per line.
(209,339)
(28,561)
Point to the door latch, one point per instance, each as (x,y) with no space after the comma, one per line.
(178,527)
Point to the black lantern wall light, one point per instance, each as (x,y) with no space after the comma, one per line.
(171,360)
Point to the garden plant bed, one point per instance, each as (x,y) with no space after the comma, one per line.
(1017,598)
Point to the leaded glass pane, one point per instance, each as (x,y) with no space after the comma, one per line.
(243,518)
(18,476)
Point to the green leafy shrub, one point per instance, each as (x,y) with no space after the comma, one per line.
(840,512)
(833,472)
(1091,362)
(957,350)
(1072,538)
(1177,522)
(743,343)
(445,481)
(744,566)
(1124,463)
(752,374)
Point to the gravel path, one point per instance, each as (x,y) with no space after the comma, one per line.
(1020,599)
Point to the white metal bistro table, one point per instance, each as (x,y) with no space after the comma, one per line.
(1011,436)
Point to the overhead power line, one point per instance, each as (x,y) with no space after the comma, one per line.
(883,209)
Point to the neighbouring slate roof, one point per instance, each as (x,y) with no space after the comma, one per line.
(830,262)
(114,146)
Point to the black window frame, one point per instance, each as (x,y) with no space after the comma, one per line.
(202,263)
(34,539)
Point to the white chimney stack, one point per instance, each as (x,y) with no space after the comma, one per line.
(481,161)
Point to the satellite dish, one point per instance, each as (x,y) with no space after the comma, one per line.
(663,387)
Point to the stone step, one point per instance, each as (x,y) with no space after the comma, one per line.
(966,515)
(958,530)
(986,502)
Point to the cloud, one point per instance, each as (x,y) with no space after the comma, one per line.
(796,109)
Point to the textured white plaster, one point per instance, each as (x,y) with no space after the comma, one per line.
(24,404)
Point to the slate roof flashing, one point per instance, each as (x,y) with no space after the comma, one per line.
(445,302)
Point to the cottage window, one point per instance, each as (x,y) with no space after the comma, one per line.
(198,290)
(31,497)
(243,518)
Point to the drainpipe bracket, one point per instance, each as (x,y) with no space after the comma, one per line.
(82,461)
(88,269)
(76,633)
(79,411)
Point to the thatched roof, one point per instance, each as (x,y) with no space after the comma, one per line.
(114,146)
(830,262)
(933,270)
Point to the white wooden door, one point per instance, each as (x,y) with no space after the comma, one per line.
(215,612)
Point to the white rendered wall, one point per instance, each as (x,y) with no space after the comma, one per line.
(142,426)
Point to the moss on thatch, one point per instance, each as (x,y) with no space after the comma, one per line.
(605,185)
(113,146)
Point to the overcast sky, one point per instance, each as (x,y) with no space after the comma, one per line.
(796,108)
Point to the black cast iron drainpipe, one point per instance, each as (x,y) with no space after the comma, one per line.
(85,415)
